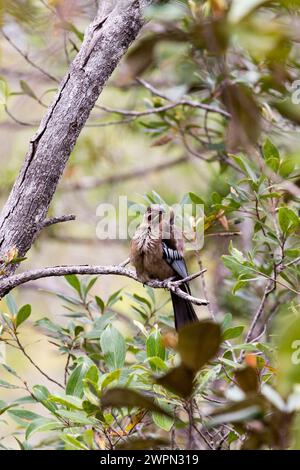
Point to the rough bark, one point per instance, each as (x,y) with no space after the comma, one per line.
(9,283)
(106,41)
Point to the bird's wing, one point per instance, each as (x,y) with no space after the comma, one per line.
(175,260)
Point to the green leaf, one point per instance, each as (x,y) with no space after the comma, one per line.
(271,155)
(107,379)
(11,304)
(73,280)
(237,254)
(4,384)
(142,300)
(99,326)
(74,403)
(125,397)
(246,166)
(73,443)
(162,421)
(23,415)
(71,27)
(196,199)
(27,90)
(198,343)
(113,347)
(233,332)
(100,303)
(42,425)
(239,285)
(4,407)
(226,321)
(114,298)
(288,220)
(77,417)
(23,314)
(287,167)
(90,285)
(155,347)
(75,382)
(178,380)
(156,363)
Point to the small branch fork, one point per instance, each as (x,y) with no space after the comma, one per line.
(268,289)
(9,283)
(58,220)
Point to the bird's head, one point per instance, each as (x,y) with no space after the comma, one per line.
(154,214)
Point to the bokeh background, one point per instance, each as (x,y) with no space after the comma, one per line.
(39,41)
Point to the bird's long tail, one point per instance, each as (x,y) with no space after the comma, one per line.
(184,312)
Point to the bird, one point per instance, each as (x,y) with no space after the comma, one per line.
(156,252)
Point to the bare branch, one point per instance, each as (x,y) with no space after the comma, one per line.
(24,352)
(223,234)
(190,277)
(9,283)
(58,220)
(91,183)
(185,102)
(30,62)
(18,121)
(268,289)
(167,107)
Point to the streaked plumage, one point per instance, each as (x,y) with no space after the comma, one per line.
(157,253)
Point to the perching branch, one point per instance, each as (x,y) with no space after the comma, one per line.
(9,283)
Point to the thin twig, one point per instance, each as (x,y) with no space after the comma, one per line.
(30,62)
(184,102)
(91,183)
(223,234)
(22,349)
(256,318)
(58,220)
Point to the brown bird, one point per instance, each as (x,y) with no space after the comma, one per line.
(156,252)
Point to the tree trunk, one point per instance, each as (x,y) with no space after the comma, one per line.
(106,41)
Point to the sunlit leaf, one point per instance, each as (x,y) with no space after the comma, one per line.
(113,347)
(23,314)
